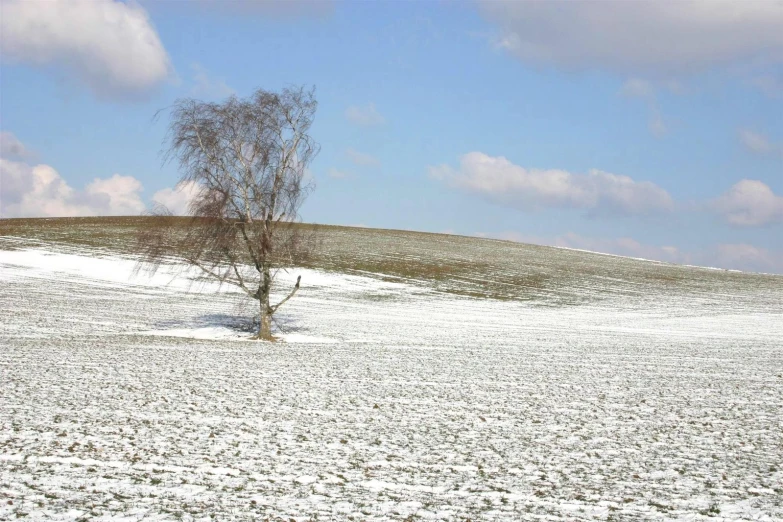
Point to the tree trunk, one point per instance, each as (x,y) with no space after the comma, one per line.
(265,324)
(265,317)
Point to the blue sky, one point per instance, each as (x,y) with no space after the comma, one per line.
(653,130)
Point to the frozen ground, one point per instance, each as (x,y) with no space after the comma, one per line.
(128,398)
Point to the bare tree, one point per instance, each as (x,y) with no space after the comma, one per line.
(248,158)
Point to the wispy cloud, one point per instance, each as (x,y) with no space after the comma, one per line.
(361,159)
(337,174)
(754,141)
(638,88)
(11,147)
(364,115)
(205,86)
(759,143)
(647,91)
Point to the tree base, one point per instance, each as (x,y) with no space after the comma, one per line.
(270,338)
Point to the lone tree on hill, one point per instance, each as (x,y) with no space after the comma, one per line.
(247,160)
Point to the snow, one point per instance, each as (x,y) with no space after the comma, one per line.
(128,397)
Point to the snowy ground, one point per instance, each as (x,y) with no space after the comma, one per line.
(126,396)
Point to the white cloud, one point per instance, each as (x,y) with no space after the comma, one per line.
(39,191)
(364,115)
(178,199)
(11,147)
(599,192)
(749,203)
(660,38)
(205,86)
(741,256)
(122,192)
(108,45)
(361,159)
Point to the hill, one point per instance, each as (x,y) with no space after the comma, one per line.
(461,265)
(420,377)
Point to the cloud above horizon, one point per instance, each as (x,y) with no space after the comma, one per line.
(40,191)
(177,200)
(28,190)
(109,46)
(749,203)
(668,38)
(598,192)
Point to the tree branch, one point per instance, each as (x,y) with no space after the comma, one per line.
(296,287)
(249,246)
(222,279)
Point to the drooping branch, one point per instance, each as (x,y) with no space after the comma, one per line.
(224,278)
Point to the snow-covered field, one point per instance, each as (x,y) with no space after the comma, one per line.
(125,397)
